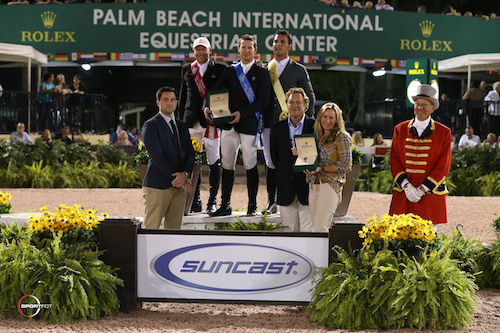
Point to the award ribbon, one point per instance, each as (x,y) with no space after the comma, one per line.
(202,88)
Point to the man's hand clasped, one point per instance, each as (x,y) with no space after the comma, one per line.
(412,193)
(180,181)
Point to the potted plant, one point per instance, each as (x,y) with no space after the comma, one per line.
(5,205)
(200,158)
(141,159)
(496,224)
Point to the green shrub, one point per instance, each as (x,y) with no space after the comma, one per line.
(240,225)
(38,176)
(109,153)
(122,175)
(382,182)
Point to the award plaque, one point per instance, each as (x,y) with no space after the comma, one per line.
(308,158)
(218,103)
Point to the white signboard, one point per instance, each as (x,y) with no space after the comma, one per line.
(229,267)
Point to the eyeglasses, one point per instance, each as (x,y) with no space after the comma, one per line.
(422,106)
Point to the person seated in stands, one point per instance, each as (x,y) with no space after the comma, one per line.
(113,137)
(46,136)
(134,136)
(421,9)
(491,141)
(378,140)
(18,2)
(357,139)
(123,139)
(64,135)
(357,4)
(332,3)
(381,5)
(20,135)
(77,135)
(368,5)
(469,139)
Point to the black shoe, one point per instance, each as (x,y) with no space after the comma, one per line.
(211,208)
(224,210)
(196,207)
(271,208)
(252,210)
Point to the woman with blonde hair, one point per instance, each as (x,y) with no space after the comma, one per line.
(335,161)
(123,139)
(357,139)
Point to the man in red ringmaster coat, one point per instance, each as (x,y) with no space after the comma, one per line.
(420,161)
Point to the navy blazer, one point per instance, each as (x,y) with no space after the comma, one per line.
(294,75)
(164,158)
(190,102)
(288,183)
(238,101)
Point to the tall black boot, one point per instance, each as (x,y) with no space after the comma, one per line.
(214,187)
(196,205)
(252,187)
(271,207)
(227,187)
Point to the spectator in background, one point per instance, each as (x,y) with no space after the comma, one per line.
(113,137)
(468,14)
(20,135)
(357,139)
(368,5)
(134,136)
(46,136)
(493,98)
(381,5)
(44,101)
(18,2)
(474,97)
(493,16)
(77,135)
(444,97)
(469,139)
(75,101)
(357,4)
(421,9)
(64,135)
(59,101)
(448,10)
(123,139)
(378,140)
(332,3)
(491,140)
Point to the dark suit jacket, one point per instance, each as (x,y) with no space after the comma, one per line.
(289,183)
(238,101)
(190,102)
(294,75)
(164,158)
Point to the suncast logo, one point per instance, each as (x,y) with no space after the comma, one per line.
(233,267)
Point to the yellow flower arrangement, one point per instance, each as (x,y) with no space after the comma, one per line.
(398,229)
(5,206)
(495,224)
(65,219)
(200,156)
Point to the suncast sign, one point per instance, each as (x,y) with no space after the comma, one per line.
(229,267)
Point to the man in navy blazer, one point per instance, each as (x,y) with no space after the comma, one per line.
(243,129)
(196,78)
(289,74)
(171,161)
(293,191)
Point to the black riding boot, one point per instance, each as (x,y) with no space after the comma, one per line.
(271,207)
(252,187)
(227,187)
(196,205)
(214,187)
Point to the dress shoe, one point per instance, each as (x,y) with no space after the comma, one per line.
(252,210)
(271,208)
(211,208)
(196,207)
(224,210)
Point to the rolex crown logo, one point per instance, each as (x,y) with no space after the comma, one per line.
(417,64)
(48,19)
(426,27)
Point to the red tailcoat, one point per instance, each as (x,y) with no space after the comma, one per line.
(425,160)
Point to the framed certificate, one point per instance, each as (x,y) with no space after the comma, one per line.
(307,149)
(218,103)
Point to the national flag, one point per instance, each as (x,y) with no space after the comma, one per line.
(74,56)
(305,59)
(232,57)
(86,56)
(402,63)
(394,63)
(178,56)
(114,56)
(100,56)
(343,61)
(295,58)
(164,56)
(330,60)
(318,60)
(189,57)
(61,57)
(267,57)
(139,56)
(367,62)
(380,62)
(355,61)
(217,56)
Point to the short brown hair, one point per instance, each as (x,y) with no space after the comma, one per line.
(298,90)
(165,89)
(250,38)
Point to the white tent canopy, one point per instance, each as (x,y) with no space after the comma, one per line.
(24,54)
(470,63)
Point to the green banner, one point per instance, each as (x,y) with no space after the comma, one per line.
(164,31)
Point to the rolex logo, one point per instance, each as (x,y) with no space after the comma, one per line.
(417,64)
(426,27)
(48,19)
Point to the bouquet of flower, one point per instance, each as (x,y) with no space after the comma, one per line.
(76,224)
(5,206)
(407,232)
(142,156)
(200,156)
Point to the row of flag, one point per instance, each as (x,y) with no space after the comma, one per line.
(167,56)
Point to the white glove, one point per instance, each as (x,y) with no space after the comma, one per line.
(420,193)
(411,193)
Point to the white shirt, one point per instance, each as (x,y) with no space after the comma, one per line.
(247,67)
(469,143)
(203,68)
(280,65)
(170,121)
(494,107)
(420,126)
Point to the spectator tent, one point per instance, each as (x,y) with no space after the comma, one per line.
(14,53)
(470,63)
